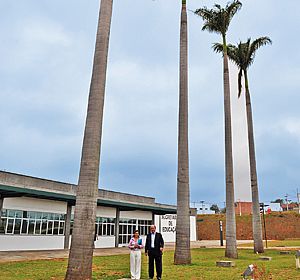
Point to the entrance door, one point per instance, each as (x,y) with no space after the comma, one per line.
(128,226)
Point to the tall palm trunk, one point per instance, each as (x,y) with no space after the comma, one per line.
(182,250)
(256,219)
(231,247)
(81,252)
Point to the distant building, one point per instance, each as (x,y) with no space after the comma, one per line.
(243,208)
(273,207)
(290,207)
(202,208)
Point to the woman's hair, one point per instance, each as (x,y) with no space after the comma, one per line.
(135,231)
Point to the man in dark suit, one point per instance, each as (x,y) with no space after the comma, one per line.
(154,249)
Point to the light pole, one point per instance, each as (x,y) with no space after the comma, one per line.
(287,202)
(202,202)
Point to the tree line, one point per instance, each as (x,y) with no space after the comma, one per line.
(216,20)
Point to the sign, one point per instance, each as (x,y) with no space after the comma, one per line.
(168,223)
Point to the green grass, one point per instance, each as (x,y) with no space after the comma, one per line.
(282,267)
(278,243)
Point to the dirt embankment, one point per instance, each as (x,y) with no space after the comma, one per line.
(279,226)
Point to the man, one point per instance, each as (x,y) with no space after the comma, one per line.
(154,249)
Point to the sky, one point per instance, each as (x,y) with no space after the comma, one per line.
(46,55)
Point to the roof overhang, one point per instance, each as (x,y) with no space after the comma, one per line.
(16,191)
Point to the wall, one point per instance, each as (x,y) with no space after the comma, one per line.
(35,204)
(243,208)
(107,212)
(278,225)
(105,242)
(142,215)
(31,242)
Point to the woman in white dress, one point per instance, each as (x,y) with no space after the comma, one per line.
(135,245)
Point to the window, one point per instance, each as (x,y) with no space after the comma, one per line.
(128,226)
(105,226)
(30,222)
(144,226)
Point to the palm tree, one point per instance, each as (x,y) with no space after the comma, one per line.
(81,252)
(243,56)
(182,250)
(217,20)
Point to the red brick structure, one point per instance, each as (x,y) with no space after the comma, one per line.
(279,225)
(290,206)
(243,208)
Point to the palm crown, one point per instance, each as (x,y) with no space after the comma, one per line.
(217,19)
(243,55)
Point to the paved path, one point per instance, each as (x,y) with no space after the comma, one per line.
(61,254)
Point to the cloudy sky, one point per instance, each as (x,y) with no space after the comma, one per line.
(46,55)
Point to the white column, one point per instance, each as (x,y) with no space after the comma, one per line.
(67,226)
(1,206)
(117,221)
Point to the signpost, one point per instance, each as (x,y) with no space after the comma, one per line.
(262,210)
(221,233)
(298,259)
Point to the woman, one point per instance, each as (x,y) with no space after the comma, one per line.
(135,246)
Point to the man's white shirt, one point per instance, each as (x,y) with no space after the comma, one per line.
(152,239)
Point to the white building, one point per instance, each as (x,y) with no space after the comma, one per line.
(37,214)
(273,207)
(202,208)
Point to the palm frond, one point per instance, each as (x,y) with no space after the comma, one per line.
(229,11)
(231,52)
(218,48)
(240,75)
(233,8)
(259,42)
(218,7)
(205,13)
(243,55)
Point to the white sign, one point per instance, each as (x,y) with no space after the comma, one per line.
(168,223)
(168,227)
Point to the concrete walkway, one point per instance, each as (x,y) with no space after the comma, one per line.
(62,254)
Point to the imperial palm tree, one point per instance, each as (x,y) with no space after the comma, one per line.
(81,252)
(217,20)
(182,249)
(243,56)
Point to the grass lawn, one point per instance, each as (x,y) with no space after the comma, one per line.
(277,243)
(282,267)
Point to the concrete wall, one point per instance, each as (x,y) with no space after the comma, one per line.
(105,242)
(31,242)
(35,204)
(107,212)
(142,215)
(44,242)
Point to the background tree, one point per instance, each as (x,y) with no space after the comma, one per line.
(182,247)
(243,56)
(278,200)
(81,252)
(215,208)
(217,20)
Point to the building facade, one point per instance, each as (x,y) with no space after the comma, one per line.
(202,208)
(37,214)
